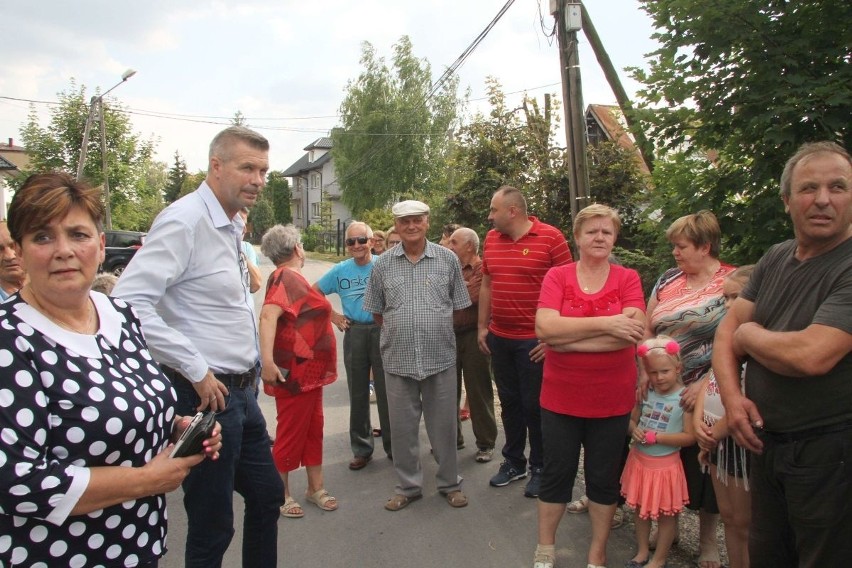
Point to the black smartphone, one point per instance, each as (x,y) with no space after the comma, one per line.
(192,440)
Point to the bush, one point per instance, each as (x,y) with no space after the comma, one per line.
(649,267)
(316,239)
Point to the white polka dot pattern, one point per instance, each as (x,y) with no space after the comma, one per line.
(59,409)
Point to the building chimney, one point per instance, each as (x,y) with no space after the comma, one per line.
(10,142)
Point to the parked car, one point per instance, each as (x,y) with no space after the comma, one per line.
(120,248)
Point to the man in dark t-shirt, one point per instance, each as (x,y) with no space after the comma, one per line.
(792,325)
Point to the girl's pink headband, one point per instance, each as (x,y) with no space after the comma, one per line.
(672,348)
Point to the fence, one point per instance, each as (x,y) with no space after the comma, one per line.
(317,239)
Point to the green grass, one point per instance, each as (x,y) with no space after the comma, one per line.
(327,257)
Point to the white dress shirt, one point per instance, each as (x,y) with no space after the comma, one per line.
(190,290)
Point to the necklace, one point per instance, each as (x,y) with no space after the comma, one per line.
(89,321)
(703,281)
(595,280)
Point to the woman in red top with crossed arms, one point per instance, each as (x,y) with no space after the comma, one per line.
(591,314)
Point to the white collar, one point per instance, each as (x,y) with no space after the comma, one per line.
(84,345)
(217,213)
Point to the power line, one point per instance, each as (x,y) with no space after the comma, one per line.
(214,119)
(470,49)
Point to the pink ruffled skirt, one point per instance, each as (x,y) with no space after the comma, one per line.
(654,485)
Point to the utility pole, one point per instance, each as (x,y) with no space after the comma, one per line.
(108,208)
(568,23)
(97,105)
(84,148)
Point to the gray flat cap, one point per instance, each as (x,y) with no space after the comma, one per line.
(409,207)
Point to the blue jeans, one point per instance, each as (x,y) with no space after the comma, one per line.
(518,383)
(245,466)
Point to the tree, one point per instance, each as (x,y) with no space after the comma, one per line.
(278,190)
(380,219)
(239,119)
(615,179)
(262,217)
(735,88)
(177,175)
(191,183)
(509,147)
(393,138)
(138,214)
(488,154)
(325,211)
(57,147)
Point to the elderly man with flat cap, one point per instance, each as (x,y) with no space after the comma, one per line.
(412,293)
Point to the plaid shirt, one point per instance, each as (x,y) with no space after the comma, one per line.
(417,301)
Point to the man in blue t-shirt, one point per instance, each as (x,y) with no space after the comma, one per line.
(361,355)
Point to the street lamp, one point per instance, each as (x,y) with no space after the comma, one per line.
(97,102)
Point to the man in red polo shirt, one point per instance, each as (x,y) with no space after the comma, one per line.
(517,254)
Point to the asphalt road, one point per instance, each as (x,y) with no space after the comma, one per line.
(498,529)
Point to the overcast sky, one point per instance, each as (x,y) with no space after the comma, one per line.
(283,64)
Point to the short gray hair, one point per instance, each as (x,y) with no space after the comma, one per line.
(804,152)
(280,242)
(104,283)
(360,224)
(469,236)
(223,142)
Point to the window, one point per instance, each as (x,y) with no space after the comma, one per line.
(315,180)
(299,211)
(315,209)
(310,156)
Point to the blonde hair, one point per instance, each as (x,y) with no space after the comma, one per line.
(666,344)
(741,275)
(700,229)
(596,210)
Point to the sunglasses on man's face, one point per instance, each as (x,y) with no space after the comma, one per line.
(360,240)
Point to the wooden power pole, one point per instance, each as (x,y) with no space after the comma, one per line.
(645,147)
(568,23)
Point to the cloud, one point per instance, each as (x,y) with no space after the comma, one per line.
(279,62)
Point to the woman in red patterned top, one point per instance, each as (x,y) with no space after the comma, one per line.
(298,358)
(591,314)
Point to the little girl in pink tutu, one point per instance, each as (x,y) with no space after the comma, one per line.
(653,482)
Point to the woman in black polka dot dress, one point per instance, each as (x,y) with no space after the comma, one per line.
(85,413)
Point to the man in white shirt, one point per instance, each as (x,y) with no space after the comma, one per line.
(191,291)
